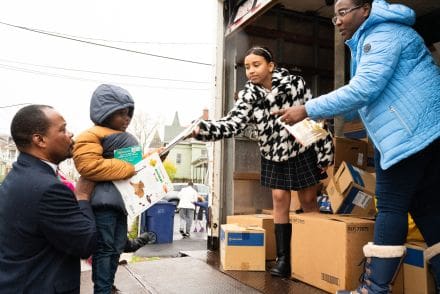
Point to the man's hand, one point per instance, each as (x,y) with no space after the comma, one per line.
(84,189)
(292,115)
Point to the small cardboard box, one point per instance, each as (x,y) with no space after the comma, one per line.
(326,249)
(352,151)
(264,221)
(351,191)
(242,248)
(417,277)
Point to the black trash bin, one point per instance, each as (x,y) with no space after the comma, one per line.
(159,219)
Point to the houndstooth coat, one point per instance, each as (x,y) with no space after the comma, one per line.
(256,104)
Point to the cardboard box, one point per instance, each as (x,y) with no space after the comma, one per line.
(351,191)
(264,221)
(294,204)
(242,248)
(417,277)
(326,249)
(354,130)
(350,150)
(268,211)
(294,201)
(370,152)
(330,171)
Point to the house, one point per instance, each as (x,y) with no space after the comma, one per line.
(190,156)
(8,154)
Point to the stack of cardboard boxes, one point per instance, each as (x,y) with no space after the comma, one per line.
(326,249)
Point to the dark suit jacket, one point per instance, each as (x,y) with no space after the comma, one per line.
(44,231)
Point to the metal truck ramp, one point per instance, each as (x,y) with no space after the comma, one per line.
(195,272)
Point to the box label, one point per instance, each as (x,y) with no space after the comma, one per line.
(358,229)
(246,239)
(298,221)
(362,199)
(330,279)
(360,159)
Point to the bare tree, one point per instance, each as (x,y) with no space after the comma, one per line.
(143,126)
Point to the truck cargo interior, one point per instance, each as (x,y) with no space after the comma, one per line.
(304,41)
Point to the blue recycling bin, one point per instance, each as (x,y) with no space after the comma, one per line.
(159,219)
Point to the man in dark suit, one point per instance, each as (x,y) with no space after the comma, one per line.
(44,227)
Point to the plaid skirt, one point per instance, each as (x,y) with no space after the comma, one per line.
(296,173)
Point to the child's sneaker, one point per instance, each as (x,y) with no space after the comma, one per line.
(186,235)
(195,230)
(201,230)
(182,232)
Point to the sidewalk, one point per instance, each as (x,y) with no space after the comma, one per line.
(197,241)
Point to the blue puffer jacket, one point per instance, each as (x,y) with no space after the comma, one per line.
(395,85)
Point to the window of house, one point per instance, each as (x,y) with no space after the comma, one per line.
(178,158)
(12,154)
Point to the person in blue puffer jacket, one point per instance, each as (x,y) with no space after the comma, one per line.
(395,89)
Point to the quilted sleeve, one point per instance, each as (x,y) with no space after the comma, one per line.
(90,163)
(232,124)
(381,52)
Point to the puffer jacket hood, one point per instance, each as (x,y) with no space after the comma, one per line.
(107,99)
(382,11)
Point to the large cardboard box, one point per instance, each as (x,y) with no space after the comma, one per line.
(242,248)
(352,151)
(264,221)
(351,191)
(417,277)
(326,249)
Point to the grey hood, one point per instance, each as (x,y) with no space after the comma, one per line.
(107,99)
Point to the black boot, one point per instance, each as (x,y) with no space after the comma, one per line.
(283,233)
(134,244)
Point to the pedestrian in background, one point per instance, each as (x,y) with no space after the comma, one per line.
(395,89)
(285,164)
(45,228)
(187,197)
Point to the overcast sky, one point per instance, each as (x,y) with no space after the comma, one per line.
(170,28)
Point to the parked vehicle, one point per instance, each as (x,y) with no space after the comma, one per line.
(173,196)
